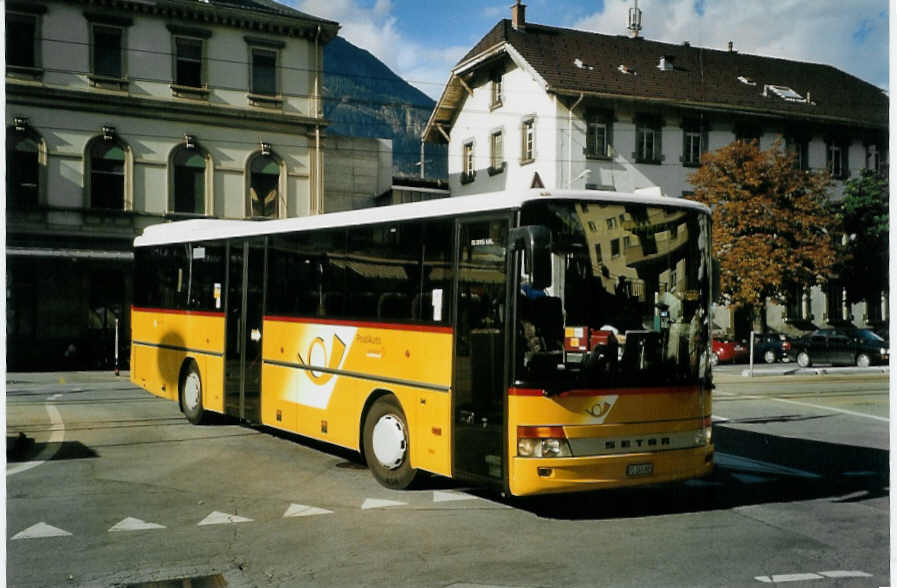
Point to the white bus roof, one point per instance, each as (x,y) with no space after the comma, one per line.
(212,229)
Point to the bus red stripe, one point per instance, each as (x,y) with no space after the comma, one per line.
(365,324)
(609,391)
(172,311)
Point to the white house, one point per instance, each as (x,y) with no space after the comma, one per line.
(533,105)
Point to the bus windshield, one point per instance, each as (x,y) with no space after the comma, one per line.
(628,303)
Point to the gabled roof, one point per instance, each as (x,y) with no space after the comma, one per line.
(572,62)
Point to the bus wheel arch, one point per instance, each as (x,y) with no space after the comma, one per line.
(190,392)
(386,441)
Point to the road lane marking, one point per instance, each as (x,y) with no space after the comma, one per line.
(222,518)
(132,524)
(40,531)
(442,496)
(370,503)
(840,410)
(50,449)
(301,510)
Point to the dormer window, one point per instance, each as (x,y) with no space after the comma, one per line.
(666,63)
(625,69)
(746,81)
(783,92)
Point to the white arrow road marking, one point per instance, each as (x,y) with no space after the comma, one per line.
(40,531)
(753,465)
(55,397)
(222,518)
(846,574)
(49,450)
(441,496)
(132,524)
(787,578)
(380,503)
(301,510)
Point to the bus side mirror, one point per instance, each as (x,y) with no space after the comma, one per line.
(535,242)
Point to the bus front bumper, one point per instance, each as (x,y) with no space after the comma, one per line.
(581,474)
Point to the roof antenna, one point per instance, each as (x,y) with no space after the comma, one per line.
(635,20)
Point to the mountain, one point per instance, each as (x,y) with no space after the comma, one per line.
(364,98)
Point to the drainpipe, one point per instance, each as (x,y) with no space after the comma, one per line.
(570,142)
(318,207)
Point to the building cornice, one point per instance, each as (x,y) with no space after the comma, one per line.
(34,95)
(191,11)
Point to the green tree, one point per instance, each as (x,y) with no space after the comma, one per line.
(864,217)
(771,224)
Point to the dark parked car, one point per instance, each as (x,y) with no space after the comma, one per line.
(771,347)
(859,347)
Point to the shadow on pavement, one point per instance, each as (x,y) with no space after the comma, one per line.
(752,468)
(22,448)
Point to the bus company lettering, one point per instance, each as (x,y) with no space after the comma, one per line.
(369,339)
(602,407)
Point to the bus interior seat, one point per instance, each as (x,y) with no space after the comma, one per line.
(393,305)
(334,303)
(422,307)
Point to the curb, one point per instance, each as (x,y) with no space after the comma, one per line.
(822,371)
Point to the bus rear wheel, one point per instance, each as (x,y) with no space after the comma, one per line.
(387,444)
(191,395)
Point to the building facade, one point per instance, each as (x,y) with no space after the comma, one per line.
(121,114)
(538,106)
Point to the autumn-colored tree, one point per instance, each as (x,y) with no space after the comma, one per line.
(771,223)
(864,214)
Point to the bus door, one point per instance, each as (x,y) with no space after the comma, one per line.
(479,367)
(243,353)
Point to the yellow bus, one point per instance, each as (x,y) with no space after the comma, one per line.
(539,342)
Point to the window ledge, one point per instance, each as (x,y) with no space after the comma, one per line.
(265,100)
(23,72)
(196,92)
(598,156)
(494,171)
(108,82)
(527,161)
(495,105)
(468,178)
(649,161)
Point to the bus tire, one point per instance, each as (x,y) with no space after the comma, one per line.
(387,444)
(191,395)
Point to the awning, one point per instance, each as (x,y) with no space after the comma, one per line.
(65,253)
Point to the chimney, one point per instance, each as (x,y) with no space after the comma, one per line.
(518,16)
(731,47)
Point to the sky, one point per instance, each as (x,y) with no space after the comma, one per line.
(421,40)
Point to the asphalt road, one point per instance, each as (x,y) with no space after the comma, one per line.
(110,486)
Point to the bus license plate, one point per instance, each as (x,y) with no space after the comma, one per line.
(639,469)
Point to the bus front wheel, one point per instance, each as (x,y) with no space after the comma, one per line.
(387,445)
(191,395)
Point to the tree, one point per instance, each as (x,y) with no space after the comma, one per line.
(771,225)
(864,216)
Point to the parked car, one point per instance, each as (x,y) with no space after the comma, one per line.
(725,351)
(772,347)
(860,347)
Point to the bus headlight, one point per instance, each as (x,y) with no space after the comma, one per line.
(542,442)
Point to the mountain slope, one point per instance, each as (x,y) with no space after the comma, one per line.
(364,98)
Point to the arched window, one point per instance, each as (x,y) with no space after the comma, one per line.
(23,156)
(189,186)
(107,175)
(264,183)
